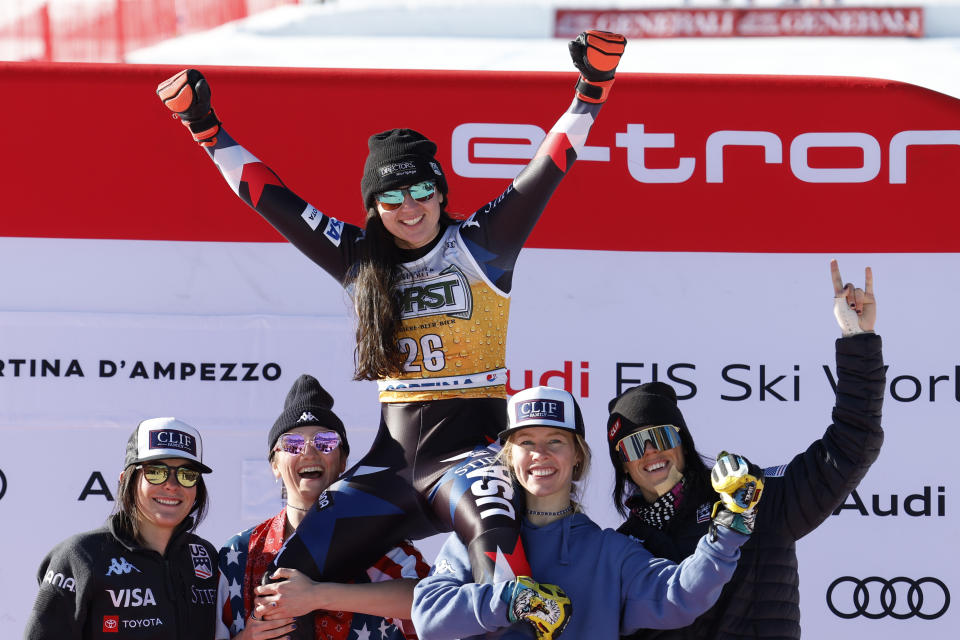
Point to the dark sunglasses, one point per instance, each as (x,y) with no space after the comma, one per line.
(393,199)
(158,474)
(663,437)
(295,444)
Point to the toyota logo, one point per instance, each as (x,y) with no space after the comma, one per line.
(926,598)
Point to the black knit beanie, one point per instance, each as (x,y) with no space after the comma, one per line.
(307,404)
(399,157)
(646,405)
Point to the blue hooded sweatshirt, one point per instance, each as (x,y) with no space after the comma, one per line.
(616,585)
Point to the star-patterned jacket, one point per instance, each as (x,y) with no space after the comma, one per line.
(244,559)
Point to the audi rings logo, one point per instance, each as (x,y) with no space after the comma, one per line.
(3,484)
(899,598)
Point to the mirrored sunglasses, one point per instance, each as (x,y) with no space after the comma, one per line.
(421,192)
(662,437)
(295,444)
(158,474)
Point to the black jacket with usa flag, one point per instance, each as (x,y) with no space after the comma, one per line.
(100,585)
(762,600)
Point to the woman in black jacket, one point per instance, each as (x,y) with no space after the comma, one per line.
(144,574)
(665,486)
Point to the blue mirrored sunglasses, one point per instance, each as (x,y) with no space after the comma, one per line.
(662,437)
(421,192)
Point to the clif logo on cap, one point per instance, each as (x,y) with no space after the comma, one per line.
(173,439)
(539,410)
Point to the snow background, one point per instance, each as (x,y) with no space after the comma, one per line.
(502,35)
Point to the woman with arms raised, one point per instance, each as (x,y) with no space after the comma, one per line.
(432,298)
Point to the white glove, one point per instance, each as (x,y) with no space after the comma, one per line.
(846,317)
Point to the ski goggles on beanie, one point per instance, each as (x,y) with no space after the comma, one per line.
(662,437)
(157,473)
(295,444)
(393,199)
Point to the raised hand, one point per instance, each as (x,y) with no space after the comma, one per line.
(854,308)
(187,94)
(740,485)
(596,55)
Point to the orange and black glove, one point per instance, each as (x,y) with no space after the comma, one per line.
(596,55)
(187,94)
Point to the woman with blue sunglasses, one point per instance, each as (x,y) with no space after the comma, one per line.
(432,298)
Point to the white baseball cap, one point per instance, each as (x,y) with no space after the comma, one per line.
(159,438)
(543,407)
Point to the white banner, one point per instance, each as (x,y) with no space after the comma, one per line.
(96,335)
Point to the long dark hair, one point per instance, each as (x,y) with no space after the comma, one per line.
(129,514)
(695,472)
(376,303)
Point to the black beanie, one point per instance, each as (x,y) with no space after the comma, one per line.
(307,404)
(399,157)
(646,405)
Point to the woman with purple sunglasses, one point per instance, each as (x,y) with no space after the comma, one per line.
(307,449)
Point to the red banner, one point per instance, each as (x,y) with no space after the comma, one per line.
(674,162)
(718,23)
(67,30)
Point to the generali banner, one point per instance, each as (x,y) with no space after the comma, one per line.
(767,22)
(690,244)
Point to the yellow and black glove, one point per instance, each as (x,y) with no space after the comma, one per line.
(187,94)
(545,607)
(740,485)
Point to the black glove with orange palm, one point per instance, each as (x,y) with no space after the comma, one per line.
(187,94)
(596,54)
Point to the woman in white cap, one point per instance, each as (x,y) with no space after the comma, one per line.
(614,585)
(144,574)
